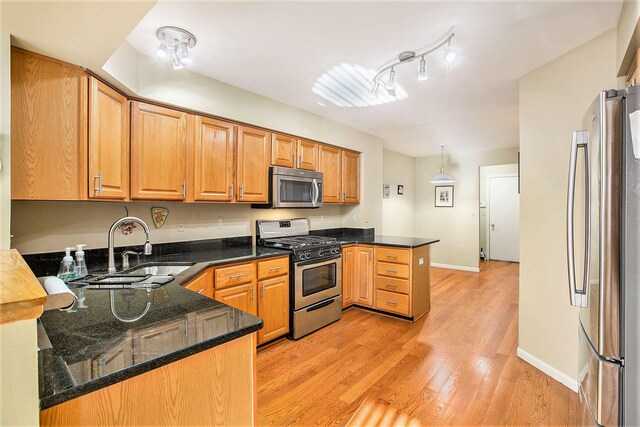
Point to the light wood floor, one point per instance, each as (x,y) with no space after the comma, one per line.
(457,365)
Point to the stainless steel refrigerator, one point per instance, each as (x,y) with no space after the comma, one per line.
(603,247)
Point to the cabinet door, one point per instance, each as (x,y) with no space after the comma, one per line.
(213,166)
(350,177)
(254,154)
(158,340)
(307,155)
(331,168)
(349,268)
(202,284)
(48,128)
(364,276)
(212,323)
(114,360)
(273,308)
(242,297)
(283,150)
(158,152)
(108,142)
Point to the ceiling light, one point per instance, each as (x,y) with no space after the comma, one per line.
(175,43)
(442,177)
(348,85)
(449,56)
(391,82)
(422,70)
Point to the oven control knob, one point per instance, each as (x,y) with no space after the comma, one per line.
(320,252)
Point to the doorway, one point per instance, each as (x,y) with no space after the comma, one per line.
(499,213)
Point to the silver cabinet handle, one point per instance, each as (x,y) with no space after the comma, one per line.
(392,271)
(390,302)
(293,160)
(200,291)
(275,268)
(578,297)
(391,285)
(252,290)
(262,291)
(392,256)
(237,276)
(242,191)
(300,161)
(184,189)
(231,191)
(99,189)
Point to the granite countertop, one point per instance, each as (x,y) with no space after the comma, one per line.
(108,335)
(400,242)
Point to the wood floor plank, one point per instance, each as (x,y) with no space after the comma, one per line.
(455,366)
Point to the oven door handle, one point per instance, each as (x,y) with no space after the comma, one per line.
(315,262)
(320,305)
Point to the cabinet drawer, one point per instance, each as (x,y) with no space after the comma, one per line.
(399,256)
(273,267)
(390,301)
(392,284)
(392,270)
(234,275)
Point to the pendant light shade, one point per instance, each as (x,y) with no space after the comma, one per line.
(442,177)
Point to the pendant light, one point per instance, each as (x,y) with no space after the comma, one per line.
(442,178)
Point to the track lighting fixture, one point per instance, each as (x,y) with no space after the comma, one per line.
(175,43)
(450,56)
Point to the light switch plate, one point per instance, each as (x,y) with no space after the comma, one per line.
(421,261)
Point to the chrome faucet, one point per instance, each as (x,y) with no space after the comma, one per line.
(125,258)
(147,246)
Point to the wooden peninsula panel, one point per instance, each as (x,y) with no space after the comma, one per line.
(21,296)
(213,387)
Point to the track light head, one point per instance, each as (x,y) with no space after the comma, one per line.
(422,70)
(391,83)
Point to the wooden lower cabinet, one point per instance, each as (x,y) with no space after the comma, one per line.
(242,297)
(363,294)
(202,283)
(273,308)
(393,280)
(216,387)
(152,342)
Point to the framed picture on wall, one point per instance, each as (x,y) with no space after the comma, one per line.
(444,196)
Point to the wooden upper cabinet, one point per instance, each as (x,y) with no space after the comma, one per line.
(213,161)
(108,142)
(252,166)
(159,138)
(350,177)
(331,167)
(307,155)
(48,128)
(283,150)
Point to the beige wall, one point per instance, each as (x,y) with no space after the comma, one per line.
(5,139)
(553,100)
(456,227)
(628,35)
(398,210)
(485,173)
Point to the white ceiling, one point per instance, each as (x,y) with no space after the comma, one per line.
(278,50)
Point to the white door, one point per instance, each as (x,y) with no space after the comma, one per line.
(504,218)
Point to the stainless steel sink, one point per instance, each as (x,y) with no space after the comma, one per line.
(159,269)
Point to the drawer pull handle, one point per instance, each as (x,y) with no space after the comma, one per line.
(392,285)
(392,256)
(237,276)
(392,271)
(390,302)
(275,268)
(200,291)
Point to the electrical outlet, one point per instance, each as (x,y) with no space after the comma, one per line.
(420,261)
(220,223)
(180,228)
(354,218)
(366,218)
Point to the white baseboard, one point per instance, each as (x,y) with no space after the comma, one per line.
(561,377)
(456,267)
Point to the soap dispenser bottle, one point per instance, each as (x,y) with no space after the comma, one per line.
(67,266)
(81,265)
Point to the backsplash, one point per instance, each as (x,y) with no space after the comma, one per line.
(43,226)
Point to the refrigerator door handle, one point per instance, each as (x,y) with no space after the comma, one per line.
(577,296)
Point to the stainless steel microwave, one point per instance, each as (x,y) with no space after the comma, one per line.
(293,188)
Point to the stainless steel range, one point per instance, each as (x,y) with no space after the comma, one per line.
(316,285)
